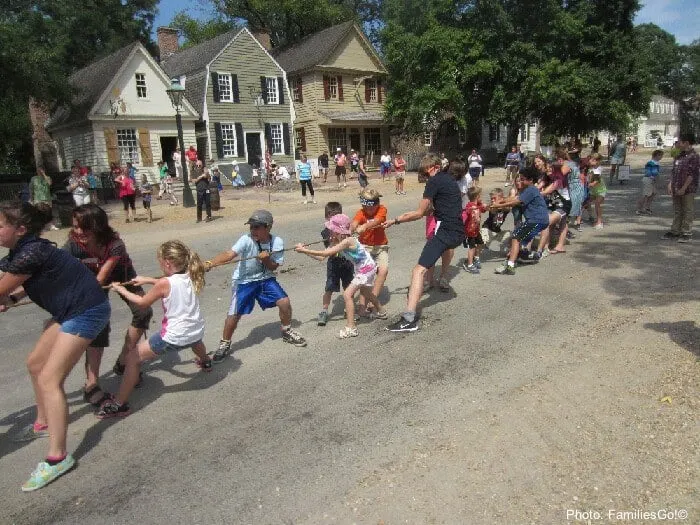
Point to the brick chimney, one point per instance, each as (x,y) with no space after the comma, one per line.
(168,43)
(263,36)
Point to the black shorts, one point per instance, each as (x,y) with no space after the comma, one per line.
(129,201)
(435,247)
(473,242)
(147,202)
(340,170)
(140,318)
(354,167)
(475,173)
(338,270)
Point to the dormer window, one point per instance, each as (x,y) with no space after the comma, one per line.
(141,89)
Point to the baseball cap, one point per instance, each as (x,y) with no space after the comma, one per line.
(339,224)
(339,149)
(260,217)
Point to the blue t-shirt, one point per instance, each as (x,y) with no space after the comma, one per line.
(652,169)
(534,206)
(304,171)
(59,283)
(253,269)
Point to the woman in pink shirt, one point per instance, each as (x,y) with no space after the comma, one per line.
(127,193)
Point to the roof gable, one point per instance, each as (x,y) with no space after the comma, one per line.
(354,52)
(197,57)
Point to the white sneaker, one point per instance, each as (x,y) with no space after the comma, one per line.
(598,227)
(304,201)
(313,201)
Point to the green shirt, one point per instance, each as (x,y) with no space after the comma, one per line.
(40,189)
(163,171)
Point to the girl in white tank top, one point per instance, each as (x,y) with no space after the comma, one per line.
(182,326)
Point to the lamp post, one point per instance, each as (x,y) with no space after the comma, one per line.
(176,94)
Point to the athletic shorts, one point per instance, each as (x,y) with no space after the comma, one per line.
(528,231)
(140,318)
(340,170)
(338,270)
(473,242)
(380,254)
(266,293)
(129,201)
(648,186)
(475,173)
(159,347)
(443,240)
(89,323)
(399,175)
(354,167)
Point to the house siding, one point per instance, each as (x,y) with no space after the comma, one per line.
(77,143)
(352,54)
(246,59)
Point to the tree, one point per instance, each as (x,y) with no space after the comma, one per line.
(197,31)
(44,42)
(660,57)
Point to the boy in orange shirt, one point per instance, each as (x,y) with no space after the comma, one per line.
(367,223)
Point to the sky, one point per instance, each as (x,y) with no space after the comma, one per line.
(678,17)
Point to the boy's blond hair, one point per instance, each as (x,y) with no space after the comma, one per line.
(473,193)
(496,191)
(370,194)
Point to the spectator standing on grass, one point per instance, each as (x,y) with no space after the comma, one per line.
(682,187)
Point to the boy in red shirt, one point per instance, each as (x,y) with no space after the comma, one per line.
(472,228)
(367,223)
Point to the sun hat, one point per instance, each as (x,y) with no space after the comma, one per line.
(339,224)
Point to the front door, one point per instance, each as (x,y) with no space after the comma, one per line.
(355,139)
(253,147)
(167,148)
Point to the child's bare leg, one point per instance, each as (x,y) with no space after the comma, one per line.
(93,358)
(348,296)
(326,300)
(369,296)
(230,326)
(470,255)
(514,250)
(132,367)
(284,306)
(200,350)
(599,210)
(382,273)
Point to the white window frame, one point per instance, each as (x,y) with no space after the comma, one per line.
(229,144)
(141,85)
(297,88)
(272,90)
(128,145)
(277,139)
(333,87)
(297,139)
(337,139)
(427,138)
(225,86)
(373,90)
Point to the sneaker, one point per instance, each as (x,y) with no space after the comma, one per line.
(379,315)
(685,238)
(111,408)
(44,473)
(304,201)
(505,269)
(293,337)
(205,365)
(322,318)
(313,201)
(29,433)
(472,268)
(578,228)
(477,262)
(570,235)
(670,236)
(403,326)
(222,351)
(465,266)
(544,253)
(348,332)
(598,226)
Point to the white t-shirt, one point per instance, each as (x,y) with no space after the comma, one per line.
(386,159)
(282,173)
(474,161)
(183,323)
(464,184)
(252,269)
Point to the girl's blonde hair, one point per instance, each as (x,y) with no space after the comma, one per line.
(180,256)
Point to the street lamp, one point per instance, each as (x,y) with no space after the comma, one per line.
(176,94)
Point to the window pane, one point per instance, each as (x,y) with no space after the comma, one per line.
(228,140)
(225,93)
(372,86)
(128,146)
(333,87)
(373,140)
(141,91)
(276,139)
(271,83)
(336,139)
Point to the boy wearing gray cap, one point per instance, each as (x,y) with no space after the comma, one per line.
(260,254)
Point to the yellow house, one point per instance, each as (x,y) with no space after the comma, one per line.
(338,85)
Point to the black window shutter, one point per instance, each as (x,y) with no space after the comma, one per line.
(240,142)
(263,88)
(285,137)
(215,86)
(234,87)
(280,89)
(268,137)
(219,140)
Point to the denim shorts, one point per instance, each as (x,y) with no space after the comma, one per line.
(159,347)
(89,323)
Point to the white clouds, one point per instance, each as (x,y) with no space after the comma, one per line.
(678,17)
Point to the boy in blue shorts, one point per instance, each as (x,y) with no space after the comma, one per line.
(338,269)
(260,254)
(535,213)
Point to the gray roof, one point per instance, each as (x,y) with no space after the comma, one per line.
(311,50)
(89,83)
(196,57)
(354,116)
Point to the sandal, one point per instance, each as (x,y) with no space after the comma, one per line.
(204,365)
(93,393)
(382,314)
(554,251)
(348,332)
